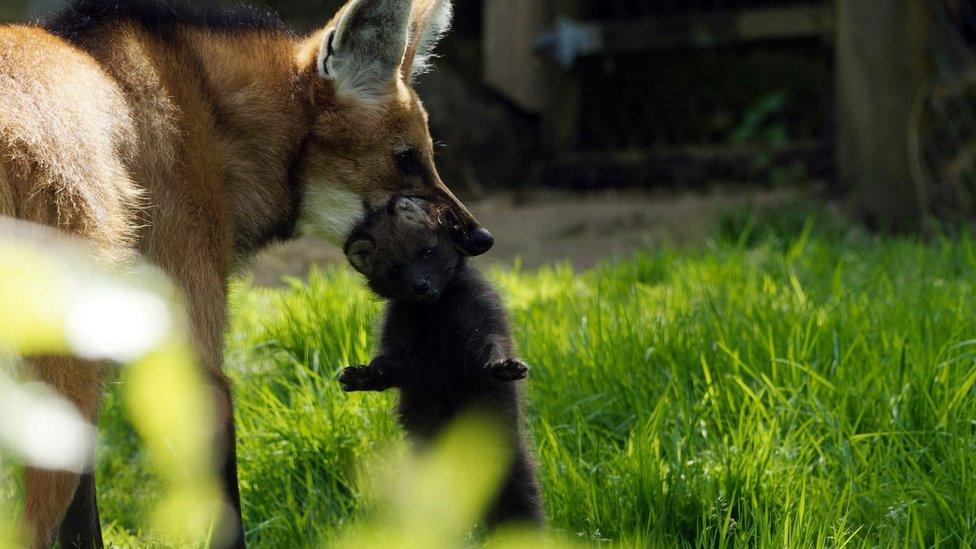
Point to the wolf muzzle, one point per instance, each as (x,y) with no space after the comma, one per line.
(470,237)
(474,241)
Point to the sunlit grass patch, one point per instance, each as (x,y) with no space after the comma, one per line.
(800,391)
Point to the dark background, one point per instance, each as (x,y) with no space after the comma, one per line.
(627,107)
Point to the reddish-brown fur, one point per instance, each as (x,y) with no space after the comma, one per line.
(193,147)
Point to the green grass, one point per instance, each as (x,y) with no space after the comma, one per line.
(815,390)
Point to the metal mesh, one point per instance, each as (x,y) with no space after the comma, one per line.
(944,125)
(704,96)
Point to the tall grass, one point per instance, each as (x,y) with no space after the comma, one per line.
(815,390)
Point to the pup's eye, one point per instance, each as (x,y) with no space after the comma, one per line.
(427,252)
(409,163)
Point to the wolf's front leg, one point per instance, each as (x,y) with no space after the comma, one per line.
(54,498)
(378,376)
(207,307)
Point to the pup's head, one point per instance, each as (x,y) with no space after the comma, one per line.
(404,252)
(369,140)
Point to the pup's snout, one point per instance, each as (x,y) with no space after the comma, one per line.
(421,288)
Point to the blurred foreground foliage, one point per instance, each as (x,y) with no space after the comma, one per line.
(56,299)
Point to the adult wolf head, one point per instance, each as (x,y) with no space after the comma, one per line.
(369,140)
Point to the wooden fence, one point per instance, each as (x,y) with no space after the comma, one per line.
(879,57)
(549,58)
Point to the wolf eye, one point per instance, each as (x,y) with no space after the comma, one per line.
(409,163)
(427,252)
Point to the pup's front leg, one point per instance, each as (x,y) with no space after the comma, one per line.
(377,376)
(510,369)
(494,353)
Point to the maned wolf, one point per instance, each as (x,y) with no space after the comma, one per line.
(444,343)
(194,137)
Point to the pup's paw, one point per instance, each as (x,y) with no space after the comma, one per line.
(357,378)
(511,369)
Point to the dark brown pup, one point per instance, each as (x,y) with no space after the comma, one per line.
(444,343)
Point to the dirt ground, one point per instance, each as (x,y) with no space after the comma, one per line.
(547,227)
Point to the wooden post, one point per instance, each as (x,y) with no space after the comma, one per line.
(561,113)
(881,69)
(510,64)
(514,68)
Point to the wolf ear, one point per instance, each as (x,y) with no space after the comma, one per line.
(429,22)
(364,50)
(359,253)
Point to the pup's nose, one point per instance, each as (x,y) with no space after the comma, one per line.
(481,240)
(421,287)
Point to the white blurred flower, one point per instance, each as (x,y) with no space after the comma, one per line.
(112,321)
(42,428)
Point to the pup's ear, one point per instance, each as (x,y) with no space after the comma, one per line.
(359,252)
(364,50)
(412,211)
(429,22)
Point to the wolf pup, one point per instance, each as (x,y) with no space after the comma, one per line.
(444,342)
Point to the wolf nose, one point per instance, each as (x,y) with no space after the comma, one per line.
(421,288)
(481,240)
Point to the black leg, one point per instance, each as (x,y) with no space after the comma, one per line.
(225,444)
(80,528)
(520,498)
(380,375)
(361,378)
(511,369)
(232,493)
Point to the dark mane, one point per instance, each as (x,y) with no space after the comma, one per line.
(84,16)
